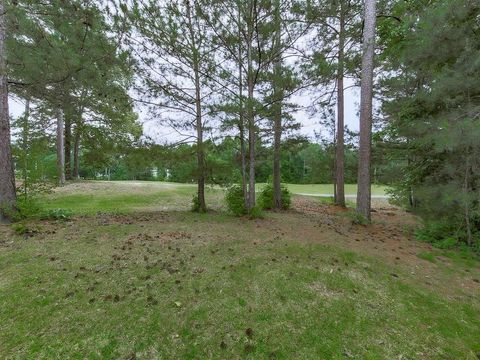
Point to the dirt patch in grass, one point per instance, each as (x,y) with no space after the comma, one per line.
(389,237)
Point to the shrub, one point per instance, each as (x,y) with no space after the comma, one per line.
(266,197)
(56,214)
(195,203)
(26,207)
(443,234)
(256,213)
(235,201)
(356,217)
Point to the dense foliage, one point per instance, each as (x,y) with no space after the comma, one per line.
(433,116)
(235,201)
(267,200)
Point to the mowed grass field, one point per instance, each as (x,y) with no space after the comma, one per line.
(131,196)
(135,275)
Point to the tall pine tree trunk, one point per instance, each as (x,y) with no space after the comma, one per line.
(250,118)
(68,145)
(200,150)
(277,128)
(60,149)
(365,149)
(25,139)
(76,150)
(7,177)
(241,124)
(198,112)
(340,146)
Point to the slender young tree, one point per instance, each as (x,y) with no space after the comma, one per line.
(334,59)
(365,144)
(278,98)
(340,143)
(60,148)
(175,55)
(7,177)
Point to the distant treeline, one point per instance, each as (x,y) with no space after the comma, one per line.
(302,162)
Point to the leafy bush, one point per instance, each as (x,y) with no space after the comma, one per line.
(235,201)
(256,213)
(26,207)
(56,214)
(266,197)
(441,234)
(356,217)
(195,203)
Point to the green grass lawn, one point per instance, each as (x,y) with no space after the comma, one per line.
(178,285)
(124,196)
(350,189)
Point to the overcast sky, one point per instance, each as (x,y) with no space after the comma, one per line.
(310,125)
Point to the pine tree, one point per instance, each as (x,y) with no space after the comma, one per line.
(365,143)
(7,177)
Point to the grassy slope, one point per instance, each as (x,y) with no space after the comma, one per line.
(127,196)
(178,285)
(350,189)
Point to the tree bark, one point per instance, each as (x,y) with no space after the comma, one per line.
(7,176)
(60,149)
(25,137)
(340,146)
(241,124)
(76,149)
(200,150)
(364,155)
(277,128)
(466,192)
(68,145)
(198,114)
(250,116)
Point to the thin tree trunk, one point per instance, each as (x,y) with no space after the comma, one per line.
(277,129)
(250,117)
(241,124)
(60,149)
(243,153)
(7,176)
(68,145)
(466,192)
(200,150)
(76,149)
(340,147)
(198,112)
(365,148)
(25,136)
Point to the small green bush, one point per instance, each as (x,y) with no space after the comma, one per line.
(256,213)
(266,197)
(356,217)
(235,201)
(56,214)
(445,234)
(195,203)
(447,243)
(26,207)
